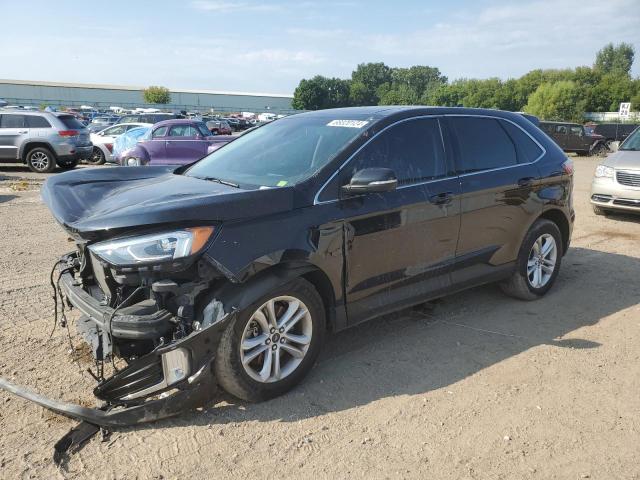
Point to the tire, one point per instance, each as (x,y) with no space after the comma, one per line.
(241,381)
(97,157)
(41,160)
(598,210)
(68,165)
(523,285)
(600,150)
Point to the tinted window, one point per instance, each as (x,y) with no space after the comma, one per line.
(160,132)
(37,122)
(483,144)
(71,122)
(413,150)
(528,150)
(562,129)
(576,130)
(12,121)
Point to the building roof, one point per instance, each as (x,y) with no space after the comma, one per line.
(135,88)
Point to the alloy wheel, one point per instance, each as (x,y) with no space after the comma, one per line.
(276,339)
(542,261)
(40,160)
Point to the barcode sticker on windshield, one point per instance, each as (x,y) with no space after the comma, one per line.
(347,123)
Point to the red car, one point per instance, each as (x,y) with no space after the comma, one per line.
(219,127)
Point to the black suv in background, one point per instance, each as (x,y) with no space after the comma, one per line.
(572,137)
(614,132)
(229,271)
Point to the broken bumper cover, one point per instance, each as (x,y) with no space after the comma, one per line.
(164,383)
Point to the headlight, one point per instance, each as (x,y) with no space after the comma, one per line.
(133,162)
(154,248)
(602,171)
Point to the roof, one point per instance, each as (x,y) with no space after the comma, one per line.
(137,88)
(177,121)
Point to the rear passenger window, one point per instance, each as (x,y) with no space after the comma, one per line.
(528,150)
(12,121)
(37,122)
(159,132)
(483,144)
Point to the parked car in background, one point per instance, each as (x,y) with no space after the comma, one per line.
(127,141)
(572,137)
(101,122)
(43,140)
(616,182)
(230,272)
(103,141)
(614,132)
(148,117)
(219,127)
(174,142)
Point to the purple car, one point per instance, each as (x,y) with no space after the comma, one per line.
(174,142)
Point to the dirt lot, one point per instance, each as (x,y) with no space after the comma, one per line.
(479,386)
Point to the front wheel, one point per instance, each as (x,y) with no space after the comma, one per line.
(538,262)
(272,344)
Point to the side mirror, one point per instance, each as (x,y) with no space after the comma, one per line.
(371,180)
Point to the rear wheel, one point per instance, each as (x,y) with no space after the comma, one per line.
(538,262)
(41,160)
(600,150)
(97,157)
(272,344)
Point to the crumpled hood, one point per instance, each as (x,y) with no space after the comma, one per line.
(624,159)
(91,200)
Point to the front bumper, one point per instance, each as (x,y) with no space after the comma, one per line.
(608,193)
(176,376)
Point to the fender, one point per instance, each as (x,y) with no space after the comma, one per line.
(26,146)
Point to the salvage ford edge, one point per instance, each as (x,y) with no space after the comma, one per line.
(229,271)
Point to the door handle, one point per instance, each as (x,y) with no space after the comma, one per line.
(526,181)
(441,198)
(22,132)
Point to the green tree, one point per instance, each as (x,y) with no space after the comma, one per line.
(157,95)
(563,100)
(615,59)
(321,92)
(366,79)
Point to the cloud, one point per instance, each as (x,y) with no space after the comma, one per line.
(230,7)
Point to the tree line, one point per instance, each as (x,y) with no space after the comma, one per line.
(550,94)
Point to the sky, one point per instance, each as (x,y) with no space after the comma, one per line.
(268,46)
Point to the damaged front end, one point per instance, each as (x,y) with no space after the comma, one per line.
(165,327)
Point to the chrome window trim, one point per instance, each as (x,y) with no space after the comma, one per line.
(316,200)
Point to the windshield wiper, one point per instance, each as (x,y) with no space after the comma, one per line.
(219,180)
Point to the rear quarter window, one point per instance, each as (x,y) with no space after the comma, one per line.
(528,150)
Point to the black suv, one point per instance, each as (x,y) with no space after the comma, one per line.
(614,132)
(230,271)
(572,137)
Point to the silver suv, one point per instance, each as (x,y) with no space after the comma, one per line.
(43,140)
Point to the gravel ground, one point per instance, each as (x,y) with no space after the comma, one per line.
(475,386)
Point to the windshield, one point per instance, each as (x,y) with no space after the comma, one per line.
(281,153)
(632,142)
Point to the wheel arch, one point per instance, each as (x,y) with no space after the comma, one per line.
(560,219)
(28,146)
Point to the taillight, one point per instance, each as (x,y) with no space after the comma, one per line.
(567,167)
(109,146)
(68,133)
